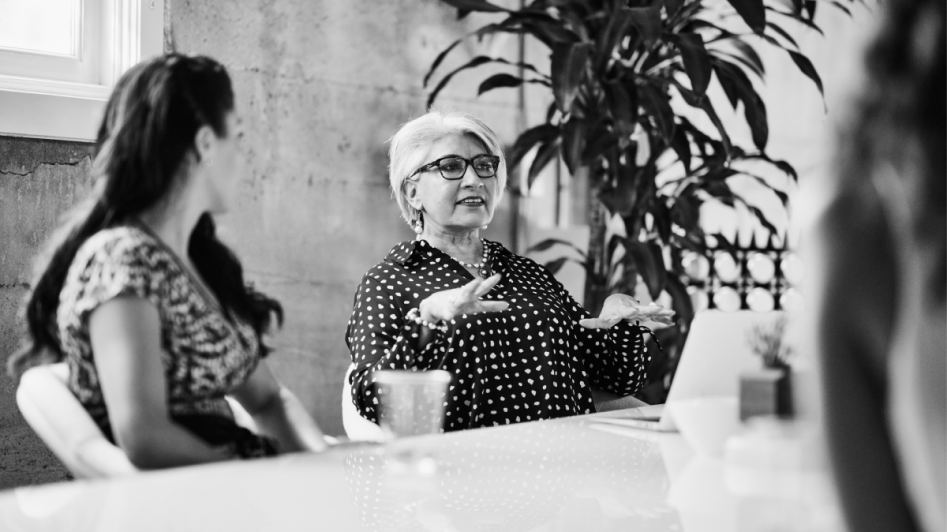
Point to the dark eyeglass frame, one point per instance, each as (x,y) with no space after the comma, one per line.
(495,159)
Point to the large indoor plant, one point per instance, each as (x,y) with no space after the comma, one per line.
(615,67)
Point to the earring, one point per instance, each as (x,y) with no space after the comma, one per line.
(419,224)
(484,228)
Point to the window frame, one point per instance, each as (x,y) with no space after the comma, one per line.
(42,107)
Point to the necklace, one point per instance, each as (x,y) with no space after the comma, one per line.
(481,266)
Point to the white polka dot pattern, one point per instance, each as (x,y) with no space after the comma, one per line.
(532,361)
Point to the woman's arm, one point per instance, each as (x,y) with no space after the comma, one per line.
(614,356)
(278,413)
(852,279)
(125,333)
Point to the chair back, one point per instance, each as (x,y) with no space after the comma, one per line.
(356,427)
(57,417)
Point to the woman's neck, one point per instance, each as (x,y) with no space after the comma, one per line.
(173,222)
(465,246)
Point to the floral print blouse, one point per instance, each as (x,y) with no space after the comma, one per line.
(531,361)
(205,353)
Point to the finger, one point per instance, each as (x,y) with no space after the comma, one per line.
(468,290)
(598,323)
(489,306)
(486,285)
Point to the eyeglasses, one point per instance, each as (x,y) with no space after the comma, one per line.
(454,167)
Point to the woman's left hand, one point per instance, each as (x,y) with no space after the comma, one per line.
(619,307)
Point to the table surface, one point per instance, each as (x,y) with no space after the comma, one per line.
(558,475)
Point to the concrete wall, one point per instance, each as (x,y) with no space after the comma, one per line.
(39,181)
(321,86)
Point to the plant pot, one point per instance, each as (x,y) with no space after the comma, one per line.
(766,392)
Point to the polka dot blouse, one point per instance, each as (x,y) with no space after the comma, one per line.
(531,361)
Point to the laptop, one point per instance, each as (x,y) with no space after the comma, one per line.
(716,352)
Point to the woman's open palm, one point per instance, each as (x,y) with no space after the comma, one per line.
(619,307)
(448,304)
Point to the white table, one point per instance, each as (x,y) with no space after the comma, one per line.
(560,475)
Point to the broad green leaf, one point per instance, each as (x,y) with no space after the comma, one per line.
(680,302)
(573,143)
(673,6)
(810,9)
(600,138)
(782,165)
(802,20)
(723,243)
(555,265)
(840,6)
(546,153)
(568,66)
(686,212)
(704,104)
(737,85)
(550,242)
(615,31)
(467,6)
(650,265)
(682,147)
(662,220)
(473,63)
(622,106)
(658,106)
(438,60)
(752,12)
(749,53)
(738,59)
(783,197)
(761,216)
(647,21)
(782,33)
(550,32)
(499,80)
(805,66)
(543,133)
(696,61)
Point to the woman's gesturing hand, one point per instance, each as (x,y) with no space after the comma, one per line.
(464,300)
(619,307)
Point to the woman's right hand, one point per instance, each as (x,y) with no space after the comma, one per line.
(446,305)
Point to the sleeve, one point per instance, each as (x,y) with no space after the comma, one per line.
(615,358)
(118,268)
(379,338)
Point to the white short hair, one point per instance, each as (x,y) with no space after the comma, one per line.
(410,144)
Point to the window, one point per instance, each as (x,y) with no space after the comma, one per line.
(60,58)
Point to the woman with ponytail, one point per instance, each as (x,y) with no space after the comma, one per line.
(147,307)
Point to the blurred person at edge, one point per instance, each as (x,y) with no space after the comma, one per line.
(879,250)
(519,348)
(146,305)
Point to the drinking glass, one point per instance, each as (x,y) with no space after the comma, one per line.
(412,402)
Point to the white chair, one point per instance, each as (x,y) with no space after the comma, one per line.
(54,413)
(356,427)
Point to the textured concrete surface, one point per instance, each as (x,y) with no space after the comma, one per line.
(39,181)
(321,86)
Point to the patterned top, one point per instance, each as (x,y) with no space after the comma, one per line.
(204,353)
(531,361)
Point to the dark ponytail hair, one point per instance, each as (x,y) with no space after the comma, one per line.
(147,134)
(900,119)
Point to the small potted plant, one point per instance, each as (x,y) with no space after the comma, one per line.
(768,391)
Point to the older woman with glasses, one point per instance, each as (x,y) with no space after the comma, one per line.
(519,348)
